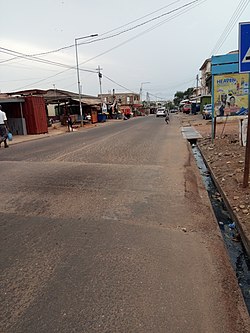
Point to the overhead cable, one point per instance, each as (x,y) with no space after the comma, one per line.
(118,33)
(36,59)
(125,42)
(231,23)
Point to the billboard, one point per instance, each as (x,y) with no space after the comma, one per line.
(231,94)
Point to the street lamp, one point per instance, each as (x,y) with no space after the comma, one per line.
(78,75)
(141,89)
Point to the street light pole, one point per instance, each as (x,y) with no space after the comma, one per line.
(78,74)
(141,90)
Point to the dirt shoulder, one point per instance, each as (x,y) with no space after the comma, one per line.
(225,158)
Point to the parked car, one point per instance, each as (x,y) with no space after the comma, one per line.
(207,111)
(173,111)
(186,108)
(161,112)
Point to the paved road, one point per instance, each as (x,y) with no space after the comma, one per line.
(110,230)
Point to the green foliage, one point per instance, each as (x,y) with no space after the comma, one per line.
(169,105)
(180,95)
(188,93)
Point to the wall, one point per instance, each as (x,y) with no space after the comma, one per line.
(35,115)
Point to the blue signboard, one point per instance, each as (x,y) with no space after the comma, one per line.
(244,47)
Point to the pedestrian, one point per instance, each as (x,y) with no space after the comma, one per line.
(70,123)
(167,118)
(3,128)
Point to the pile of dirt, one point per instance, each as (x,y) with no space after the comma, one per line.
(226,158)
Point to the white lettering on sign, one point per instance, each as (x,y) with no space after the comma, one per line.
(247,56)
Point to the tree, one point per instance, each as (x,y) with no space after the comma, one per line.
(179,96)
(169,105)
(188,93)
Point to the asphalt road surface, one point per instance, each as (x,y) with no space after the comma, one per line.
(110,230)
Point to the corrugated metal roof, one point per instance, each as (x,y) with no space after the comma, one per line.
(8,99)
(57,94)
(28,92)
(88,101)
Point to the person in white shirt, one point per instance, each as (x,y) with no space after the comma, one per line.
(3,128)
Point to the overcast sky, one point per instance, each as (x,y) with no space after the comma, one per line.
(167,52)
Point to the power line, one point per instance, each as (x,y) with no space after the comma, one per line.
(158,97)
(118,84)
(127,89)
(125,42)
(227,29)
(48,62)
(142,33)
(140,18)
(118,33)
(231,23)
(105,33)
(141,24)
(50,77)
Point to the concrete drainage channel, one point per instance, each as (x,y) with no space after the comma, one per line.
(238,256)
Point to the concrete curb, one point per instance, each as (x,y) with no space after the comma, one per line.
(241,228)
(207,196)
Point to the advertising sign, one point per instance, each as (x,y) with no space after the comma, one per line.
(231,94)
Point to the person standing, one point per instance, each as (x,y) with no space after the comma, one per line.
(167,118)
(3,128)
(70,123)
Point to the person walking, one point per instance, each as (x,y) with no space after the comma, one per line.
(3,128)
(70,123)
(167,118)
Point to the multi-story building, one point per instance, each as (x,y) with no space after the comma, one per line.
(126,103)
(206,77)
(121,98)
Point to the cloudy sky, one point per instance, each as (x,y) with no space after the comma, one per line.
(157,45)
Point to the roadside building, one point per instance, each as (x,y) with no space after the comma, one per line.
(26,115)
(61,102)
(205,83)
(127,104)
(206,78)
(29,111)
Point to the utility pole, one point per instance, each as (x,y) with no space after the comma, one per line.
(78,74)
(140,93)
(100,79)
(197,85)
(100,83)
